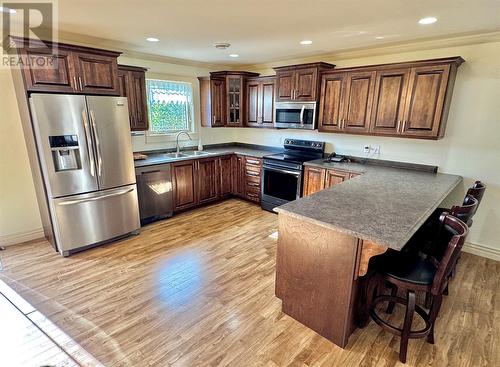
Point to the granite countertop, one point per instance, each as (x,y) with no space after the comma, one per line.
(384,205)
(160,158)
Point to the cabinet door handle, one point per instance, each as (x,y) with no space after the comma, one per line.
(404,126)
(75,83)
(80,81)
(213,120)
(399,125)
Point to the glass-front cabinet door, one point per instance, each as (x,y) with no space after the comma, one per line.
(235,98)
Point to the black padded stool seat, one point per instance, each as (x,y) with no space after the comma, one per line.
(406,267)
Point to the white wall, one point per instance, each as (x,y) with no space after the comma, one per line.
(470,148)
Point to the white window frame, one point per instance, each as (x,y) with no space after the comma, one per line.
(170,136)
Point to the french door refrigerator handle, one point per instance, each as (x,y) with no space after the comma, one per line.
(89,141)
(95,198)
(97,143)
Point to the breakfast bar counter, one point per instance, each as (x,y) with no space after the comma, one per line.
(326,239)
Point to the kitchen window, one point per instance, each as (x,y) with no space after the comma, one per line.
(170,106)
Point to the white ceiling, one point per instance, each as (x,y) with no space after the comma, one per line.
(269,30)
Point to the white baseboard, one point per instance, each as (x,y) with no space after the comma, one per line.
(481,250)
(20,237)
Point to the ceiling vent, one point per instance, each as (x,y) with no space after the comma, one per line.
(221,45)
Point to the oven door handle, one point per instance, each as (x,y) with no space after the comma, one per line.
(282,171)
(302,115)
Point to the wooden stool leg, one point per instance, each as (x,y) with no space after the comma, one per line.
(390,305)
(405,335)
(436,306)
(370,295)
(428,300)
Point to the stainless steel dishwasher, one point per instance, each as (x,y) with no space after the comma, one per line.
(154,188)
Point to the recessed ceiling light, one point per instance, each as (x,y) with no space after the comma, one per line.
(379,37)
(306,42)
(152,39)
(427,20)
(7,10)
(234,55)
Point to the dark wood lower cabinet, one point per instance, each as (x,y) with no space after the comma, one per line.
(207,176)
(184,184)
(225,176)
(205,180)
(317,179)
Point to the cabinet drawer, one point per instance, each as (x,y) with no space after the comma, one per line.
(253,184)
(252,193)
(250,172)
(253,162)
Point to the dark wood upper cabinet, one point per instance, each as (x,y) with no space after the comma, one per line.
(299,82)
(389,100)
(208,179)
(184,184)
(425,101)
(409,99)
(285,81)
(223,98)
(132,84)
(73,69)
(59,78)
(332,101)
(358,101)
(225,176)
(260,102)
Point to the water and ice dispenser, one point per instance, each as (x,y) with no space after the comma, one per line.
(65,152)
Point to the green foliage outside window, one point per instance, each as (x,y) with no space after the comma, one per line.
(168,116)
(170,105)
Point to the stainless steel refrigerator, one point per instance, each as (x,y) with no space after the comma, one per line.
(85,155)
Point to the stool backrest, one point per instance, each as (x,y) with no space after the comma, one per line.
(458,230)
(466,211)
(477,191)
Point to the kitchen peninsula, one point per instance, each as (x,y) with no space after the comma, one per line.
(327,239)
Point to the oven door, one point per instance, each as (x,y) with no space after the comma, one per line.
(293,115)
(280,185)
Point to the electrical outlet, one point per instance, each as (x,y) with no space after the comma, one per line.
(376,149)
(366,149)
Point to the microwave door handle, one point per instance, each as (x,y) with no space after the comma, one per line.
(97,143)
(89,141)
(302,115)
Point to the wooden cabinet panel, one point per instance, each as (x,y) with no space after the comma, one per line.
(285,85)
(132,84)
(207,179)
(333,177)
(306,84)
(60,77)
(218,95)
(97,74)
(358,101)
(314,180)
(389,100)
(184,184)
(267,102)
(238,175)
(331,102)
(260,102)
(252,102)
(139,100)
(425,100)
(225,176)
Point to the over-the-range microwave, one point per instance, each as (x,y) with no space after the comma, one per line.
(295,115)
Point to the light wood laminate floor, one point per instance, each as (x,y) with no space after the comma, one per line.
(198,290)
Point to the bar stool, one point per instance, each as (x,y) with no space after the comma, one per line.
(477,191)
(413,273)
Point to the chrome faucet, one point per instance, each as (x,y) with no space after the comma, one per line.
(177,139)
